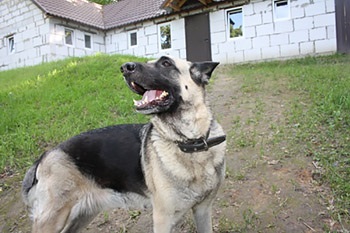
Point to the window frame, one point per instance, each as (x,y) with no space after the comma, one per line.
(159,35)
(11,48)
(275,10)
(227,21)
(130,40)
(72,36)
(91,41)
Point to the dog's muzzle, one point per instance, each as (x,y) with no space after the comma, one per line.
(128,68)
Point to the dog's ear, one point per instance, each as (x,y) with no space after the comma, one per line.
(201,71)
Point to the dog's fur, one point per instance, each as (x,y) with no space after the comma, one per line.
(136,165)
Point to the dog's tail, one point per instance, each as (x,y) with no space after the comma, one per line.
(30,180)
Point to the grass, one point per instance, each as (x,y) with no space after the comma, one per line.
(318,121)
(42,105)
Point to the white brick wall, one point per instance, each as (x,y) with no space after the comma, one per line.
(309,30)
(38,38)
(148,41)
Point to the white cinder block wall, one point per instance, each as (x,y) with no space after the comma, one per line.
(148,44)
(310,29)
(39,38)
(26,23)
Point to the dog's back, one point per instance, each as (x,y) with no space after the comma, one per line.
(68,185)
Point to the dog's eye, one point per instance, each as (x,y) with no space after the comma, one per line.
(166,63)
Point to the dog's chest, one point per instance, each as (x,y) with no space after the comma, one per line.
(192,174)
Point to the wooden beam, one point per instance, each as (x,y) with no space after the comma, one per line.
(181,3)
(204,2)
(175,7)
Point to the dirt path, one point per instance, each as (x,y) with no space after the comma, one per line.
(270,184)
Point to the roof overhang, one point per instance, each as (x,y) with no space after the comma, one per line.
(177,4)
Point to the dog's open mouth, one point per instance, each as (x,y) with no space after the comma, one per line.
(150,98)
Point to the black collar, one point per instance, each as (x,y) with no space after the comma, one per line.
(200,144)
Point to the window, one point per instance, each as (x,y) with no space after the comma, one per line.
(69,36)
(165,36)
(281,9)
(235,23)
(11,44)
(88,41)
(132,39)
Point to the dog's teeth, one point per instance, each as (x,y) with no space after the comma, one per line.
(146,99)
(164,94)
(133,84)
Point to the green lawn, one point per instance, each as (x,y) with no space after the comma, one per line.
(42,105)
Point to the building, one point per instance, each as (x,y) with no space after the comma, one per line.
(37,31)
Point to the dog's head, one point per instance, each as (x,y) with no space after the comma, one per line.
(166,82)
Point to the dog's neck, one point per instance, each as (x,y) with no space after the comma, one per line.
(186,124)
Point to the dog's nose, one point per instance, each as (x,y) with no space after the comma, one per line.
(128,67)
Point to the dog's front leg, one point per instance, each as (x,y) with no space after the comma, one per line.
(202,216)
(165,218)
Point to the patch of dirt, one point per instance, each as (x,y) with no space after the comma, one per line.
(269,184)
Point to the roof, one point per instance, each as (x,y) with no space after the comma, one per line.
(81,11)
(131,11)
(117,14)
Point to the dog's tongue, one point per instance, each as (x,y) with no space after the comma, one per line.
(151,95)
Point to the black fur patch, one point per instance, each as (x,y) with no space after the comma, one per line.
(110,156)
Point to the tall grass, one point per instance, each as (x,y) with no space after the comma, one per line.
(43,105)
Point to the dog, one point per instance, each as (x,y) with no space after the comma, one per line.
(173,164)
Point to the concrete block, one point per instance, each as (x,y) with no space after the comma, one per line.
(318,33)
(249,32)
(267,17)
(331,32)
(289,50)
(153,40)
(252,55)
(298,36)
(236,57)
(330,6)
(261,42)
(243,44)
(214,49)
(307,48)
(297,12)
(279,39)
(264,29)
(270,52)
(315,8)
(217,16)
(220,57)
(248,9)
(253,20)
(326,46)
(284,26)
(217,26)
(218,37)
(149,30)
(324,20)
(303,23)
(152,49)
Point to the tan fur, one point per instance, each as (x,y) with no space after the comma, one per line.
(179,181)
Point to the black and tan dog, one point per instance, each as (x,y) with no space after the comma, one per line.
(173,164)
